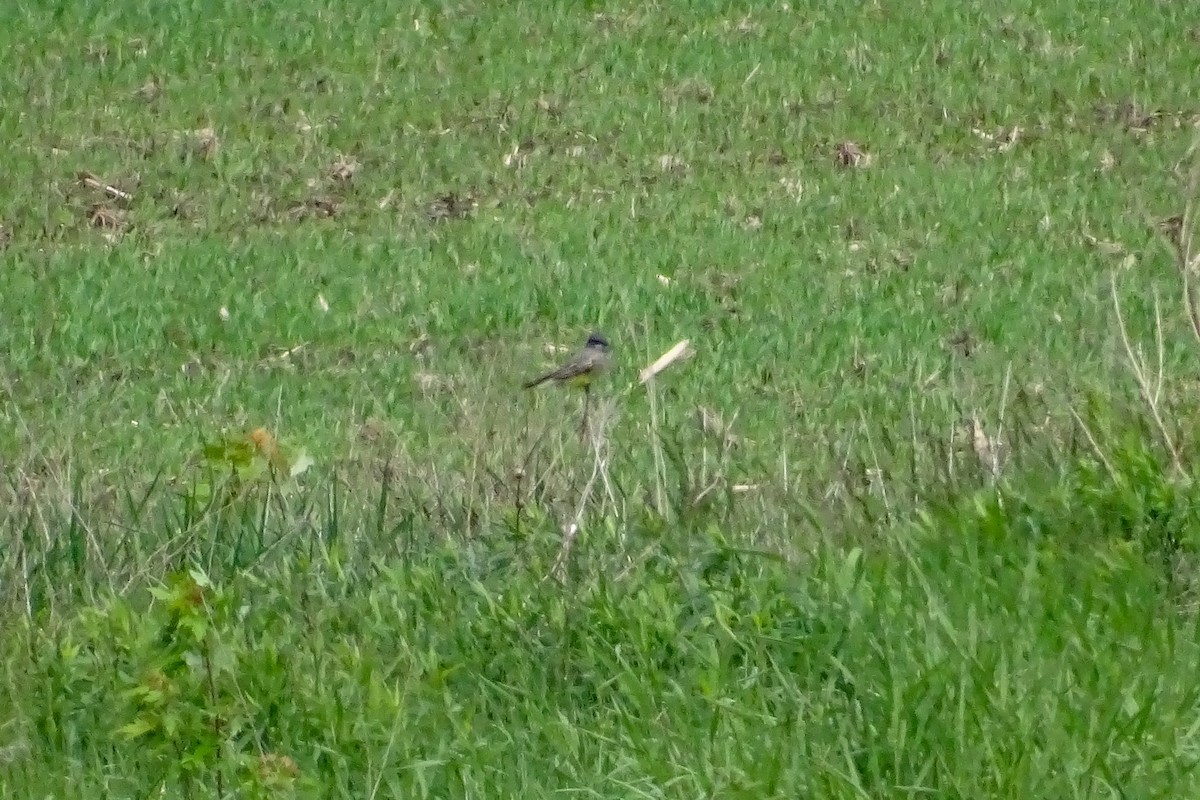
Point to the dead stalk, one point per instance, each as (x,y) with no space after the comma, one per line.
(1147,387)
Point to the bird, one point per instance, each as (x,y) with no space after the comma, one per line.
(592,360)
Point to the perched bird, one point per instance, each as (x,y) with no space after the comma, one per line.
(593,359)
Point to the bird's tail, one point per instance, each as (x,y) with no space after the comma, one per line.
(539,380)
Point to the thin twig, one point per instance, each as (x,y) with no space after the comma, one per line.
(1112,473)
(1138,365)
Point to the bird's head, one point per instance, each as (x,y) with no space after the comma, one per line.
(598,341)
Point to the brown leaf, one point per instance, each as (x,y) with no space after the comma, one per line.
(149,91)
(1172,229)
(963,342)
(451,206)
(374,431)
(777,158)
(314,208)
(849,154)
(344,168)
(692,89)
(106,218)
(902,259)
(205,143)
(277,769)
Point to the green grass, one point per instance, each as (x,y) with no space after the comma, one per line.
(831,598)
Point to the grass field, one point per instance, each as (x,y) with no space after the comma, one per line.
(904,524)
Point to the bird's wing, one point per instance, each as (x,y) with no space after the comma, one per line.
(581,363)
(539,380)
(578,365)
